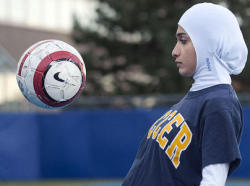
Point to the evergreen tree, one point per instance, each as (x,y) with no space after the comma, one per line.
(128,51)
(242,11)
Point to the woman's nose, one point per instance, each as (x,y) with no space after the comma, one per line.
(175,52)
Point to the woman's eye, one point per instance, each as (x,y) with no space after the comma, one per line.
(183,41)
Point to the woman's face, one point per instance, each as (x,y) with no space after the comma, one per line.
(184,53)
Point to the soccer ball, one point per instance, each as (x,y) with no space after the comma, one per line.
(51,74)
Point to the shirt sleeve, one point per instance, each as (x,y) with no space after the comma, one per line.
(215,175)
(220,139)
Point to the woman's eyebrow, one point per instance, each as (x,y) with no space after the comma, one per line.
(180,34)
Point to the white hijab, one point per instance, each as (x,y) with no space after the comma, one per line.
(218,42)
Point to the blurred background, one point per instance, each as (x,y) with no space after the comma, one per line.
(131,81)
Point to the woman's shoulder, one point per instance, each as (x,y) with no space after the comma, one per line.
(221,100)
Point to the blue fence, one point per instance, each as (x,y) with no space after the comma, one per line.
(81,144)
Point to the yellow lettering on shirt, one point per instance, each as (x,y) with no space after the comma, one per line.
(179,144)
(158,128)
(153,127)
(177,120)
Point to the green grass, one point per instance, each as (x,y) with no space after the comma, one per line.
(233,182)
(64,183)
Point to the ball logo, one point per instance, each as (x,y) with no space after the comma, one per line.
(56,76)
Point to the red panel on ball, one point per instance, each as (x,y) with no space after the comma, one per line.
(28,53)
(38,77)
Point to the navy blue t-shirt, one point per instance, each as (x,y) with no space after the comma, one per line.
(203,128)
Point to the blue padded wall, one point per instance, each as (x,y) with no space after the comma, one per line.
(82,144)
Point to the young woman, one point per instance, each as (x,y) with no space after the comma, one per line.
(196,142)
